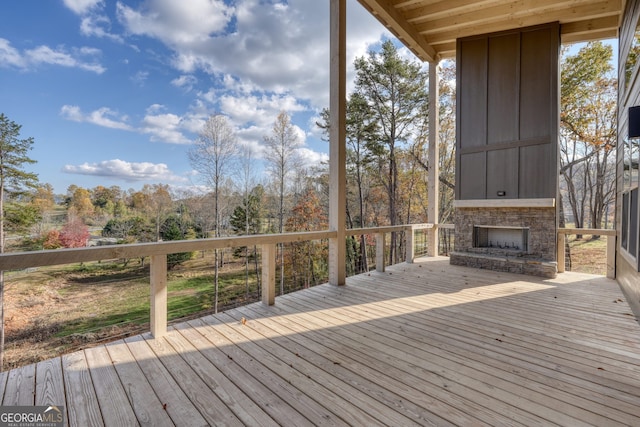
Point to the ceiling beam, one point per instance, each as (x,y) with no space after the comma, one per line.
(540,11)
(398,25)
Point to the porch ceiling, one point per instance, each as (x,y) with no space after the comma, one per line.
(430,27)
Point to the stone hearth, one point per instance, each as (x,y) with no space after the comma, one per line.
(488,237)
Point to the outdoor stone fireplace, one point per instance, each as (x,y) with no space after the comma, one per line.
(507,150)
(518,239)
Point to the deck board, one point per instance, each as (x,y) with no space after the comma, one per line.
(420,344)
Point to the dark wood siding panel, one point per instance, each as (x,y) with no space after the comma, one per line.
(473,171)
(508,102)
(536,94)
(503,96)
(538,172)
(473,98)
(503,175)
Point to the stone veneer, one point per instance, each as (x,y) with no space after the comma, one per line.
(539,260)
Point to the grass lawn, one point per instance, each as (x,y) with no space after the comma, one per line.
(588,255)
(52,310)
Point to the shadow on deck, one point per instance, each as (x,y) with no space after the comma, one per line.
(421,344)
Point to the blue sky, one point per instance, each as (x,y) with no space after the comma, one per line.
(114,92)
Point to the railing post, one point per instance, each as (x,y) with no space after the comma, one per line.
(561,244)
(432,241)
(611,257)
(158,275)
(269,273)
(380,239)
(410,244)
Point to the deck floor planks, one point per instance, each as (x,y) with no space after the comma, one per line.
(111,396)
(234,398)
(142,397)
(81,400)
(428,343)
(3,383)
(541,390)
(323,397)
(301,343)
(468,322)
(425,380)
(21,387)
(174,400)
(478,377)
(50,385)
(268,399)
(210,406)
(332,391)
(467,350)
(385,374)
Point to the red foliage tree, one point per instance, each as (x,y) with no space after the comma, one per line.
(74,234)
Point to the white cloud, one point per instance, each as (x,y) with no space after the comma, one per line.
(268,47)
(10,56)
(187,82)
(140,77)
(261,111)
(310,158)
(104,117)
(176,22)
(81,7)
(164,128)
(159,125)
(126,171)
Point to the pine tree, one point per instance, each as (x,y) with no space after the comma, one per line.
(14,180)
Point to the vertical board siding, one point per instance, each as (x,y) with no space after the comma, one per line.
(628,96)
(503,81)
(508,114)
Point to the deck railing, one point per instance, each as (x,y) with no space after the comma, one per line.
(611,246)
(158,251)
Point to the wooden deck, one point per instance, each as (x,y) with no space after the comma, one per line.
(421,344)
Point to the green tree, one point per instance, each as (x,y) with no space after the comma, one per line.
(588,132)
(395,89)
(247,219)
(176,228)
(361,128)
(14,181)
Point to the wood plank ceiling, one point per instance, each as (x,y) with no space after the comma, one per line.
(430,27)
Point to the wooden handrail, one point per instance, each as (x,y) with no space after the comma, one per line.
(19,260)
(158,251)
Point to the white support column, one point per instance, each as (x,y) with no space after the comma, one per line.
(269,273)
(158,274)
(337,141)
(434,156)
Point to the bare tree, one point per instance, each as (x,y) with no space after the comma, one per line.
(588,130)
(281,155)
(212,156)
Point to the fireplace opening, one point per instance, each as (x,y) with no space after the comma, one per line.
(501,237)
